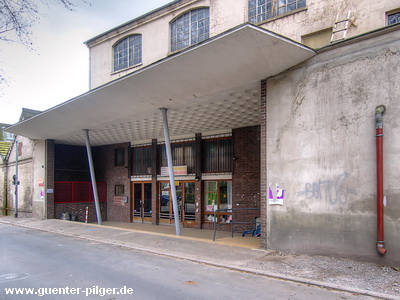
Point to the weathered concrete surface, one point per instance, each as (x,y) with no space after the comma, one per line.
(31,175)
(320,15)
(321,150)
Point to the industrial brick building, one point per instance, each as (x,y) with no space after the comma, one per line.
(269,109)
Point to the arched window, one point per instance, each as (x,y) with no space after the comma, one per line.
(128,52)
(190,28)
(261,10)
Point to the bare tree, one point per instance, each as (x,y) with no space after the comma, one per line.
(18,16)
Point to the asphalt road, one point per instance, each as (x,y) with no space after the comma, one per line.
(57,267)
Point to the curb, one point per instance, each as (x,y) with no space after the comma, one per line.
(301,280)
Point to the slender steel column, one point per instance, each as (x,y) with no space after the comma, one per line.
(171,172)
(16,178)
(92,175)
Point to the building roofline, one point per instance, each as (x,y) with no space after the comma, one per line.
(131,21)
(360,37)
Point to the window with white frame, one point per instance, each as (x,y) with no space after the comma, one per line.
(128,52)
(190,28)
(394,18)
(261,10)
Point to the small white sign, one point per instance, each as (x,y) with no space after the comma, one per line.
(178,171)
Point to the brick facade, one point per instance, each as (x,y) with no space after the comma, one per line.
(245,179)
(263,163)
(71,165)
(118,210)
(246,176)
(79,210)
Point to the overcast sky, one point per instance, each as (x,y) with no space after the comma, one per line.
(58,67)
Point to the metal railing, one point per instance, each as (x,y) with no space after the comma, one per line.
(232,222)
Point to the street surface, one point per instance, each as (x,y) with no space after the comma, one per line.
(52,266)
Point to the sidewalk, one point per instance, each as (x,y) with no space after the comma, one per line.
(242,254)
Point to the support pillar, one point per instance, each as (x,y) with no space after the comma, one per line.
(92,176)
(171,172)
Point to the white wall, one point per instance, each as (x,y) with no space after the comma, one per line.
(319,15)
(156,34)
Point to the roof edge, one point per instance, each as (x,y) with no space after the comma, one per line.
(360,37)
(159,9)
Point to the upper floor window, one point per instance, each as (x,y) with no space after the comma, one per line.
(142,160)
(183,154)
(394,18)
(128,52)
(190,28)
(261,10)
(217,155)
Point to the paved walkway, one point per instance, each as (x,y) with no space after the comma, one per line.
(242,254)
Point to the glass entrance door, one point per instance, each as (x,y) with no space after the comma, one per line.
(142,201)
(185,193)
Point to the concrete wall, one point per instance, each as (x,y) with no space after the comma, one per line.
(39,180)
(25,177)
(31,175)
(321,150)
(3,185)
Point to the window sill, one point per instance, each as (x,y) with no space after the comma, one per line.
(283,16)
(127,69)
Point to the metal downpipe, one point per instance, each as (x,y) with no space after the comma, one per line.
(380,243)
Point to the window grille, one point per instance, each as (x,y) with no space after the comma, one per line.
(261,10)
(394,18)
(218,155)
(183,154)
(128,52)
(142,160)
(190,28)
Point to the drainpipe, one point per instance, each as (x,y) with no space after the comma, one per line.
(380,243)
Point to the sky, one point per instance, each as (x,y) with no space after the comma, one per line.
(57,69)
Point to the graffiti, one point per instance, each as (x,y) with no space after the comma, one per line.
(332,191)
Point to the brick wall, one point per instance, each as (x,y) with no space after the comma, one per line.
(263,155)
(79,209)
(246,176)
(104,160)
(245,179)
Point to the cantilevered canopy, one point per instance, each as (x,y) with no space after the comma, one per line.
(211,86)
